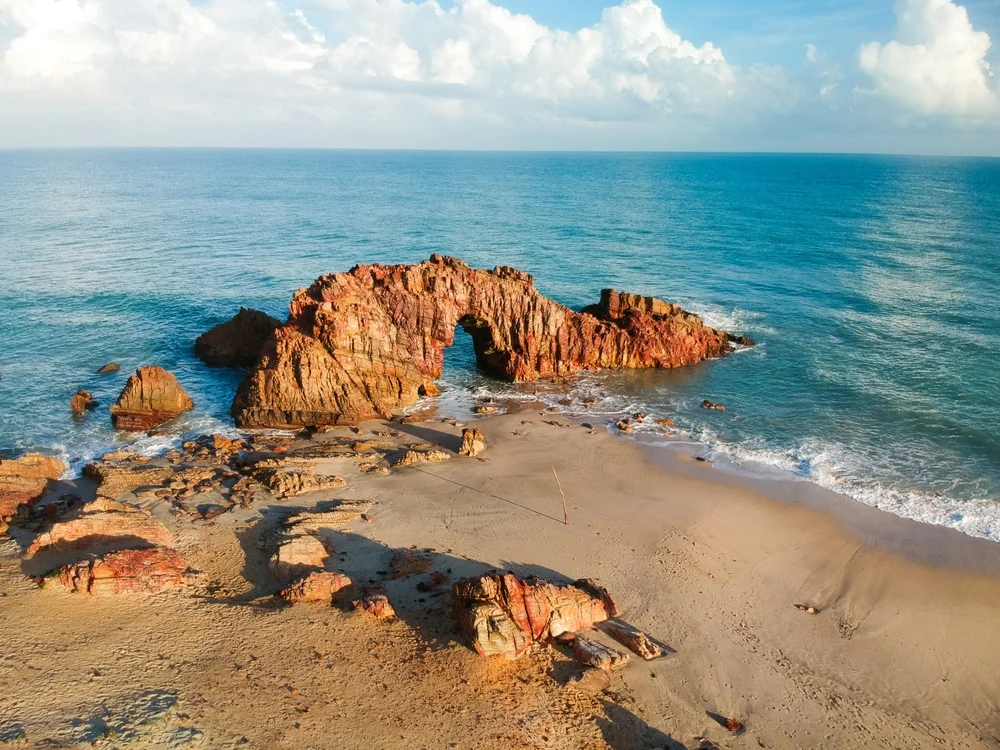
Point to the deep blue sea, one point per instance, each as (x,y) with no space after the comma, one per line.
(871,283)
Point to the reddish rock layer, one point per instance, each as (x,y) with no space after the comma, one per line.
(361,344)
(150,397)
(237,342)
(503,616)
(127,571)
(23,481)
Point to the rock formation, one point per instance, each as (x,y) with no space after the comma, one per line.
(23,481)
(237,342)
(102,522)
(127,571)
(360,344)
(315,587)
(150,397)
(375,602)
(473,442)
(501,615)
(635,641)
(109,369)
(82,402)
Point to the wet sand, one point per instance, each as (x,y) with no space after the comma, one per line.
(902,653)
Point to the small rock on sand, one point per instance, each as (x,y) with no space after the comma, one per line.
(591,653)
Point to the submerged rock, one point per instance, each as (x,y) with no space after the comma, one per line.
(361,344)
(109,369)
(151,397)
(127,571)
(237,342)
(501,615)
(23,481)
(82,402)
(473,442)
(711,405)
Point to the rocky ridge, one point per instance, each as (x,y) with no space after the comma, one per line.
(362,344)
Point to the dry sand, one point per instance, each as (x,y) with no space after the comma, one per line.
(904,652)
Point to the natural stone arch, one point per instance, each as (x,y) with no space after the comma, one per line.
(359,345)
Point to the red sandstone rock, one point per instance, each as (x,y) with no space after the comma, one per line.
(100,522)
(360,344)
(473,442)
(127,571)
(23,480)
(237,342)
(501,615)
(82,402)
(150,397)
(315,587)
(375,602)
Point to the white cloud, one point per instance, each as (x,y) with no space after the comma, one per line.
(937,64)
(475,60)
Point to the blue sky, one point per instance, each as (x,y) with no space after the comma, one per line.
(847,75)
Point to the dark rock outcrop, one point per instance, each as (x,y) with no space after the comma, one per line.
(361,344)
(109,369)
(151,397)
(237,342)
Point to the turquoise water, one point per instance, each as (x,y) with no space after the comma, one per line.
(870,283)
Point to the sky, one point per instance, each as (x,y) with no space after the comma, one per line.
(883,76)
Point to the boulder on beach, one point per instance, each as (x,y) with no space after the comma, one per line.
(23,481)
(151,397)
(375,602)
(315,587)
(362,344)
(502,615)
(237,342)
(82,402)
(473,442)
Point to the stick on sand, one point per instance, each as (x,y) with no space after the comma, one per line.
(563,496)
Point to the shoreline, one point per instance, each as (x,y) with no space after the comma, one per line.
(901,653)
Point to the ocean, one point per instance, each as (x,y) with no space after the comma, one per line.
(871,284)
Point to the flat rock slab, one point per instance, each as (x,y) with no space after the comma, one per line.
(127,572)
(592,653)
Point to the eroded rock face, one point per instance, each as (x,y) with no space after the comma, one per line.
(501,615)
(473,442)
(288,478)
(361,344)
(127,571)
(237,342)
(23,480)
(151,397)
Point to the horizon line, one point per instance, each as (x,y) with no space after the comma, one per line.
(498,151)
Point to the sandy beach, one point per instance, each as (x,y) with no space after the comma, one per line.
(901,654)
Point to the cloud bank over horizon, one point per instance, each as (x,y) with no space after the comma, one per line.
(407,74)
